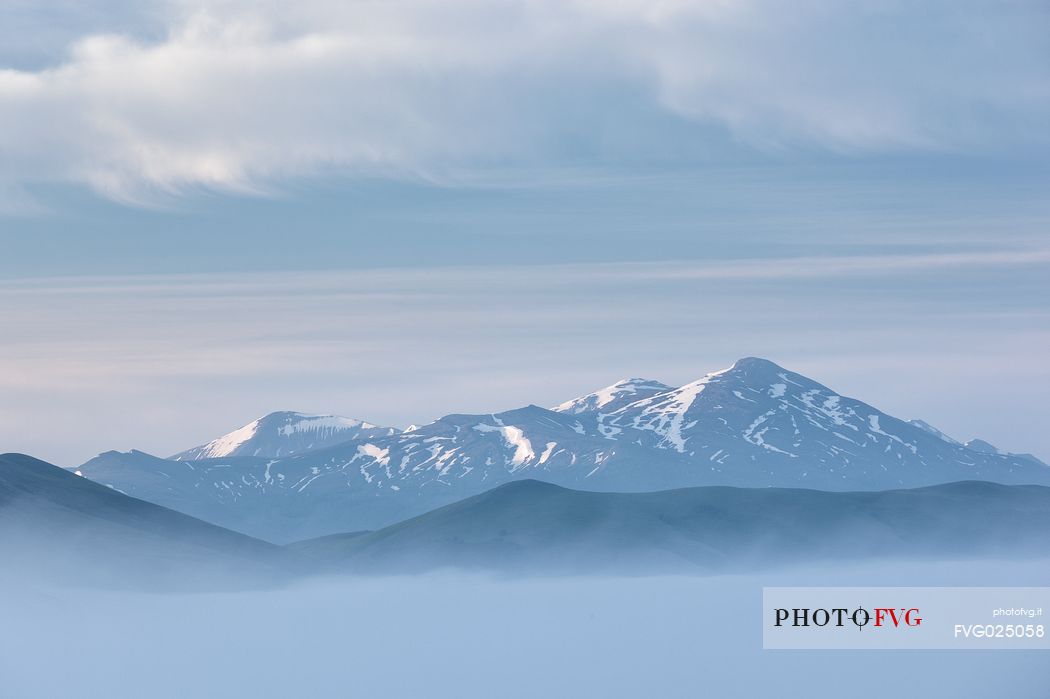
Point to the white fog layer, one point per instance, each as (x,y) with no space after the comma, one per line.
(458,636)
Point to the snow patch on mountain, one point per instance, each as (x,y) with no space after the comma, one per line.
(229,443)
(612,397)
(755,436)
(873,423)
(285,433)
(515,438)
(666,415)
(323,423)
(380,455)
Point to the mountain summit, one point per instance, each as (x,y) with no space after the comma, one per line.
(283,434)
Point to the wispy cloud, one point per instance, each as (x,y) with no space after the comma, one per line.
(238,95)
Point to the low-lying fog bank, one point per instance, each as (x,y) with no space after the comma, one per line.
(455,635)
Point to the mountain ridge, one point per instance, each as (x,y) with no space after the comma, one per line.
(536,527)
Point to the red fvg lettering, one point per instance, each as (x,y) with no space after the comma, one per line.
(909,617)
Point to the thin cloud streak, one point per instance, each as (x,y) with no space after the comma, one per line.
(403,283)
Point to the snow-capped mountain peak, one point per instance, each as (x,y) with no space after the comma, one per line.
(665,413)
(283,434)
(756,403)
(612,397)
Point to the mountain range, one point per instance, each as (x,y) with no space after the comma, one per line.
(291,476)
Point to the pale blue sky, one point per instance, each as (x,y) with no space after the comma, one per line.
(210,209)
